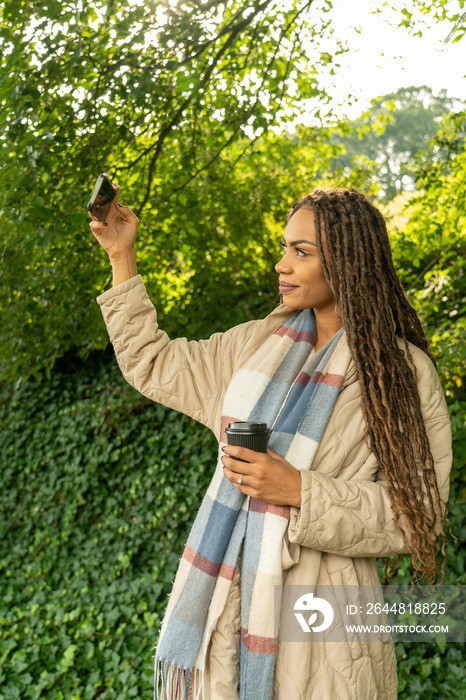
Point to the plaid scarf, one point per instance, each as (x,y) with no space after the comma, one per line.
(287,386)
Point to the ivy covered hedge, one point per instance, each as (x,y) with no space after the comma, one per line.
(99,488)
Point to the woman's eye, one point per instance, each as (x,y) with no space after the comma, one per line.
(299,253)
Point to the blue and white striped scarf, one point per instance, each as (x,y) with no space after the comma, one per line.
(289,387)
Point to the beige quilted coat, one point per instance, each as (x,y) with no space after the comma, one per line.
(345,520)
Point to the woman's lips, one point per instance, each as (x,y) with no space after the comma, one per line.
(285,288)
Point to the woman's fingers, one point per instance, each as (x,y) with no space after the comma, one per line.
(243,453)
(250,471)
(121,209)
(235,476)
(127,214)
(98,227)
(249,462)
(232,465)
(268,477)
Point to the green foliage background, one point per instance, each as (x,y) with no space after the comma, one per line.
(99,485)
(160,96)
(98,493)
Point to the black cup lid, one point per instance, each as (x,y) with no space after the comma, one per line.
(249,426)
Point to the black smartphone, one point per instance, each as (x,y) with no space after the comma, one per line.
(101,198)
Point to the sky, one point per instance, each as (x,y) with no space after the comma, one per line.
(384,58)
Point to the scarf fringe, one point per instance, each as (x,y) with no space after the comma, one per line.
(175,683)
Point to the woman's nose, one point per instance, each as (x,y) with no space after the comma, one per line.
(283,265)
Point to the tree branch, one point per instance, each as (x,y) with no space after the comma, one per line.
(166,130)
(249,112)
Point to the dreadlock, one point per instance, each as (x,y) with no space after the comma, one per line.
(373,308)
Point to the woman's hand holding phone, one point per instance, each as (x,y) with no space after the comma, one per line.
(117,235)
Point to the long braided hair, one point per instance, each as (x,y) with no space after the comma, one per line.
(373,307)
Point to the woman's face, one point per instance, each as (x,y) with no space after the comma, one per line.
(302,281)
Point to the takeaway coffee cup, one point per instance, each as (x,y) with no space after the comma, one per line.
(252,435)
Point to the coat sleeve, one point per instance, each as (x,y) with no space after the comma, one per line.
(355,518)
(188,376)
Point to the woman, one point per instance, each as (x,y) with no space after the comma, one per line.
(358,465)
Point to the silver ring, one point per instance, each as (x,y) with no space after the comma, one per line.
(240,480)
